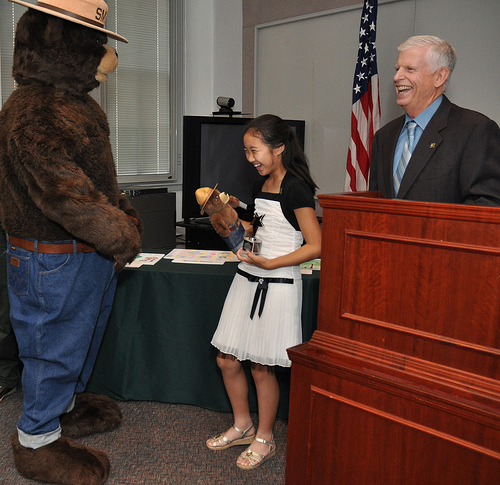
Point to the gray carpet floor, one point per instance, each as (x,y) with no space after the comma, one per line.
(159,443)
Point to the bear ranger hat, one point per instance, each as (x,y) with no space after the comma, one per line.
(90,13)
(203,195)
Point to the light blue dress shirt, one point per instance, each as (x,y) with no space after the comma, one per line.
(422,121)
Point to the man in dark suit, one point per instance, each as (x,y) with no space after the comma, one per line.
(452,154)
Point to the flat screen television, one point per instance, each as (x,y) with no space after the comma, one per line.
(213,153)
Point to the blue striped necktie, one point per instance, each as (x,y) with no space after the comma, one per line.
(405,156)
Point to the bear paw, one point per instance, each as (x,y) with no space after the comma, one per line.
(92,414)
(62,462)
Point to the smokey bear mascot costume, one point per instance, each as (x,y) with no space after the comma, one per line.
(69,231)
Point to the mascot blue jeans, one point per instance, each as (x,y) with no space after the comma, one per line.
(60,304)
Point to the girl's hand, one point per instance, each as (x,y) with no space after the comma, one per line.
(311,231)
(251,258)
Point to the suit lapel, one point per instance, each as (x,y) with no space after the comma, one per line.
(426,147)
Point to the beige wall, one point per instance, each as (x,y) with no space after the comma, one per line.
(257,12)
(290,68)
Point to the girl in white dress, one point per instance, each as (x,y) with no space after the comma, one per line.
(261,317)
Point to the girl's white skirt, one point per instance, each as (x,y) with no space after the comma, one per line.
(263,339)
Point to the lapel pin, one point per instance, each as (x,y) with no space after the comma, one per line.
(432,145)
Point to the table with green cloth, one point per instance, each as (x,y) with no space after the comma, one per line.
(157,343)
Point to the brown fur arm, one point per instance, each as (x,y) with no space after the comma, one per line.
(66,195)
(88,215)
(222,219)
(219,224)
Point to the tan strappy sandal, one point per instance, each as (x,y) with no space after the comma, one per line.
(221,442)
(256,459)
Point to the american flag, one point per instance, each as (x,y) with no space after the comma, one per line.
(365,118)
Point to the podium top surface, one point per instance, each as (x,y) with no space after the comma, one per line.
(372,201)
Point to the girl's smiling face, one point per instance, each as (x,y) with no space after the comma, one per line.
(261,156)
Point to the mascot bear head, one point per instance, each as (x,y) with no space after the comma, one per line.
(70,56)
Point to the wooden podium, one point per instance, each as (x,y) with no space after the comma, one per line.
(399,384)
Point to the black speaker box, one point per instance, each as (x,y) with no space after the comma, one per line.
(156,207)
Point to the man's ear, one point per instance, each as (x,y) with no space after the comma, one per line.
(442,75)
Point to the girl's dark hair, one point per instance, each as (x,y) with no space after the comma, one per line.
(275,132)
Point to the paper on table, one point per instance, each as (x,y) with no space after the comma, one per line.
(312,264)
(145,258)
(200,256)
(308,266)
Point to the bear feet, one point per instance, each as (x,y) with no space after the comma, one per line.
(62,462)
(92,414)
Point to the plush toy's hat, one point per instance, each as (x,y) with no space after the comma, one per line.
(91,13)
(203,195)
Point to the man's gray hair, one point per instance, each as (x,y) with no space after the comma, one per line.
(441,53)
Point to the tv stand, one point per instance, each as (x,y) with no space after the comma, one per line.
(200,234)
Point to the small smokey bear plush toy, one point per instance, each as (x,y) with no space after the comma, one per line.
(69,231)
(220,208)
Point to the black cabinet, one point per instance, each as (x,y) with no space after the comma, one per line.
(157,210)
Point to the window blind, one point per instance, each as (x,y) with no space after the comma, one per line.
(138,94)
(9,15)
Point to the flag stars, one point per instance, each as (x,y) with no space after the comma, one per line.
(366,61)
(364,48)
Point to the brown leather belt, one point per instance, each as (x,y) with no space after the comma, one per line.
(48,248)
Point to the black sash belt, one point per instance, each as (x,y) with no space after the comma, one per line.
(261,288)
